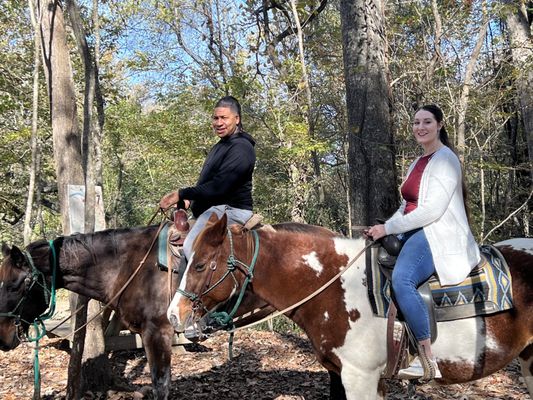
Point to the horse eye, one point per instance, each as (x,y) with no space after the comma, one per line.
(15,284)
(199,267)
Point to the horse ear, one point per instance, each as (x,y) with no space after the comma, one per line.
(16,255)
(5,249)
(213,218)
(215,230)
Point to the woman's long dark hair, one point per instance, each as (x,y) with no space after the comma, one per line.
(439,117)
(445,139)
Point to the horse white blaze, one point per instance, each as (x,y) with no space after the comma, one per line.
(312,260)
(363,354)
(173,311)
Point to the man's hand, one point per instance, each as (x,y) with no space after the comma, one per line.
(169,200)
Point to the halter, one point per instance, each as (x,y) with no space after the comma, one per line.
(36,277)
(224,318)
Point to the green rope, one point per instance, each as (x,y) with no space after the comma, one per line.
(36,370)
(230,346)
(222,317)
(38,324)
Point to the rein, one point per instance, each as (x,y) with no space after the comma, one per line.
(226,319)
(119,292)
(309,297)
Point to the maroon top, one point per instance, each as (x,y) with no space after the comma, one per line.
(411,186)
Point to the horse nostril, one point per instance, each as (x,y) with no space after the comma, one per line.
(174,321)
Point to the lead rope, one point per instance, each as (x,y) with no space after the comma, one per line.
(249,277)
(38,324)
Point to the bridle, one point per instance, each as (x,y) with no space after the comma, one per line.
(34,278)
(223,318)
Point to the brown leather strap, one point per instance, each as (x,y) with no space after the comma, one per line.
(395,344)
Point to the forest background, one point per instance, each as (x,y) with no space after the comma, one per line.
(328,90)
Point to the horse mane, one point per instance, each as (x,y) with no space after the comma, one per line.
(297,227)
(82,245)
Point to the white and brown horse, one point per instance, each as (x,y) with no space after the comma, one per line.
(347,338)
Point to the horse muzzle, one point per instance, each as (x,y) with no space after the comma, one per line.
(193,329)
(9,338)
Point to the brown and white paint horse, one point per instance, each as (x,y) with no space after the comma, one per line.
(97,266)
(348,340)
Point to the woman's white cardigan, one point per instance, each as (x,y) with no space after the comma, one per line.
(440,211)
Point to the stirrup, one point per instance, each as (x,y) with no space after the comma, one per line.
(421,368)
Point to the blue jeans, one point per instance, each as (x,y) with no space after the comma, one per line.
(414,266)
(235,216)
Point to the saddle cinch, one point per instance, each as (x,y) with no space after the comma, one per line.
(485,291)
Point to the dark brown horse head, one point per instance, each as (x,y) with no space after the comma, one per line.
(21,300)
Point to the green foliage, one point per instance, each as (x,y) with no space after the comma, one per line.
(164,64)
(149,152)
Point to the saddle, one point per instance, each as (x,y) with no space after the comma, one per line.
(486,290)
(171,238)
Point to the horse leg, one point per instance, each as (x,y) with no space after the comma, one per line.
(526,363)
(382,389)
(336,390)
(157,343)
(360,384)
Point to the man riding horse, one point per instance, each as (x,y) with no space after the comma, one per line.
(225,183)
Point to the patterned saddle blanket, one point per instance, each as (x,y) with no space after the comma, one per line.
(486,290)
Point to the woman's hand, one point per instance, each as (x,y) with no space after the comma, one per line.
(169,200)
(376,232)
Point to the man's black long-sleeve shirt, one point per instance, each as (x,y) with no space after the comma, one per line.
(226,176)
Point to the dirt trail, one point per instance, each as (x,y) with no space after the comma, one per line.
(266,365)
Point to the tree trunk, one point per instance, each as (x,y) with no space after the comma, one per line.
(66,135)
(522,52)
(520,39)
(372,172)
(34,15)
(96,372)
(63,110)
